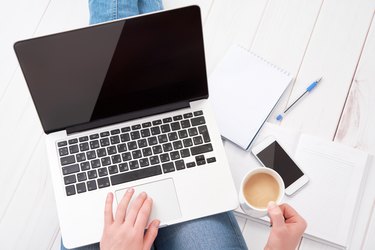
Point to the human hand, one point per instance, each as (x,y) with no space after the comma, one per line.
(126,229)
(287,227)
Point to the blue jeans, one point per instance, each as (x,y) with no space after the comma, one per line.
(220,231)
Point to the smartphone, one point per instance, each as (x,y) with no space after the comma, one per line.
(272,155)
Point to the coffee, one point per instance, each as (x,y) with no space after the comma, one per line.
(260,189)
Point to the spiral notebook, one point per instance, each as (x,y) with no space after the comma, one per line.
(244,89)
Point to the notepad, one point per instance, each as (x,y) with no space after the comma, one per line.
(244,88)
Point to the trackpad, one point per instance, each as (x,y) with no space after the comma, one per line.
(165,206)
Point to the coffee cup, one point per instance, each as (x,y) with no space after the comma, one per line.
(258,187)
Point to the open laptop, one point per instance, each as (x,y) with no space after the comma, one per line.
(125,104)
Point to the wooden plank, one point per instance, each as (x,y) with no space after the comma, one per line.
(369,242)
(256,234)
(205,5)
(356,129)
(333,53)
(57,242)
(309,244)
(241,222)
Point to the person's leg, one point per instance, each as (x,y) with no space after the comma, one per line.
(146,6)
(220,231)
(88,247)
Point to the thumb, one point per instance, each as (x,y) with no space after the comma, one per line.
(275,214)
(151,234)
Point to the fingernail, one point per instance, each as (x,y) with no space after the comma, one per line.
(143,194)
(157,223)
(271,205)
(131,190)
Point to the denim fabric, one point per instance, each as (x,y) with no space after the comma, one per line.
(218,231)
(107,10)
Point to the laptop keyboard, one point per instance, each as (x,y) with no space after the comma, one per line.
(135,152)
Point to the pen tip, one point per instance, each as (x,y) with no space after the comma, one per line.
(317,81)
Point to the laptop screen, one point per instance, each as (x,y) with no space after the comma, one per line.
(94,73)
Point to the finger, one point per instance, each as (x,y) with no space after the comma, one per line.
(292,216)
(143,214)
(123,206)
(108,214)
(134,209)
(275,214)
(151,234)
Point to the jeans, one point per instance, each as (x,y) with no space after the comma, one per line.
(218,231)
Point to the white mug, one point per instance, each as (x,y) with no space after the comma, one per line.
(246,206)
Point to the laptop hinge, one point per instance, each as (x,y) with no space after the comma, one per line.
(127,117)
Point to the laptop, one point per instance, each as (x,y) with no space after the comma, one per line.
(125,104)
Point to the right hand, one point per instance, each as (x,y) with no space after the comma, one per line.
(287,227)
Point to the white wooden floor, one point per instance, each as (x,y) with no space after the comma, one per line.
(309,38)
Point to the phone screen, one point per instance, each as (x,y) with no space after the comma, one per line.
(276,158)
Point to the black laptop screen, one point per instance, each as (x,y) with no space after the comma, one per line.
(103,71)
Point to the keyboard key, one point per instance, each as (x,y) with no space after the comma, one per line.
(104,134)
(166,120)
(167,147)
(152,141)
(168,167)
(125,129)
(116,159)
(155,130)
(136,154)
(142,143)
(121,148)
(157,149)
(102,172)
(198,140)
(175,126)
(111,150)
(200,160)
(115,139)
(174,155)
(197,113)
(81,176)
(133,164)
(132,145)
(125,137)
(67,160)
(70,179)
(92,174)
(188,115)
(185,124)
(81,187)
(135,175)
(204,132)
(198,121)
(83,138)
(165,128)
(123,167)
(105,161)
(63,151)
(73,149)
(202,129)
(112,169)
(91,185)
(147,151)
(193,131)
(177,117)
(115,132)
(190,164)
(81,157)
(177,145)
(91,155)
(103,182)
(188,142)
(180,164)
(94,136)
(104,142)
(137,126)
(211,159)
(145,133)
(84,146)
(94,144)
(185,153)
(172,136)
(162,138)
(62,143)
(182,134)
(126,156)
(144,162)
(154,160)
(70,190)
(73,141)
(85,166)
(95,163)
(164,157)
(157,122)
(146,124)
(201,149)
(101,152)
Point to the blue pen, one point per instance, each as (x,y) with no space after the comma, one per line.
(308,89)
